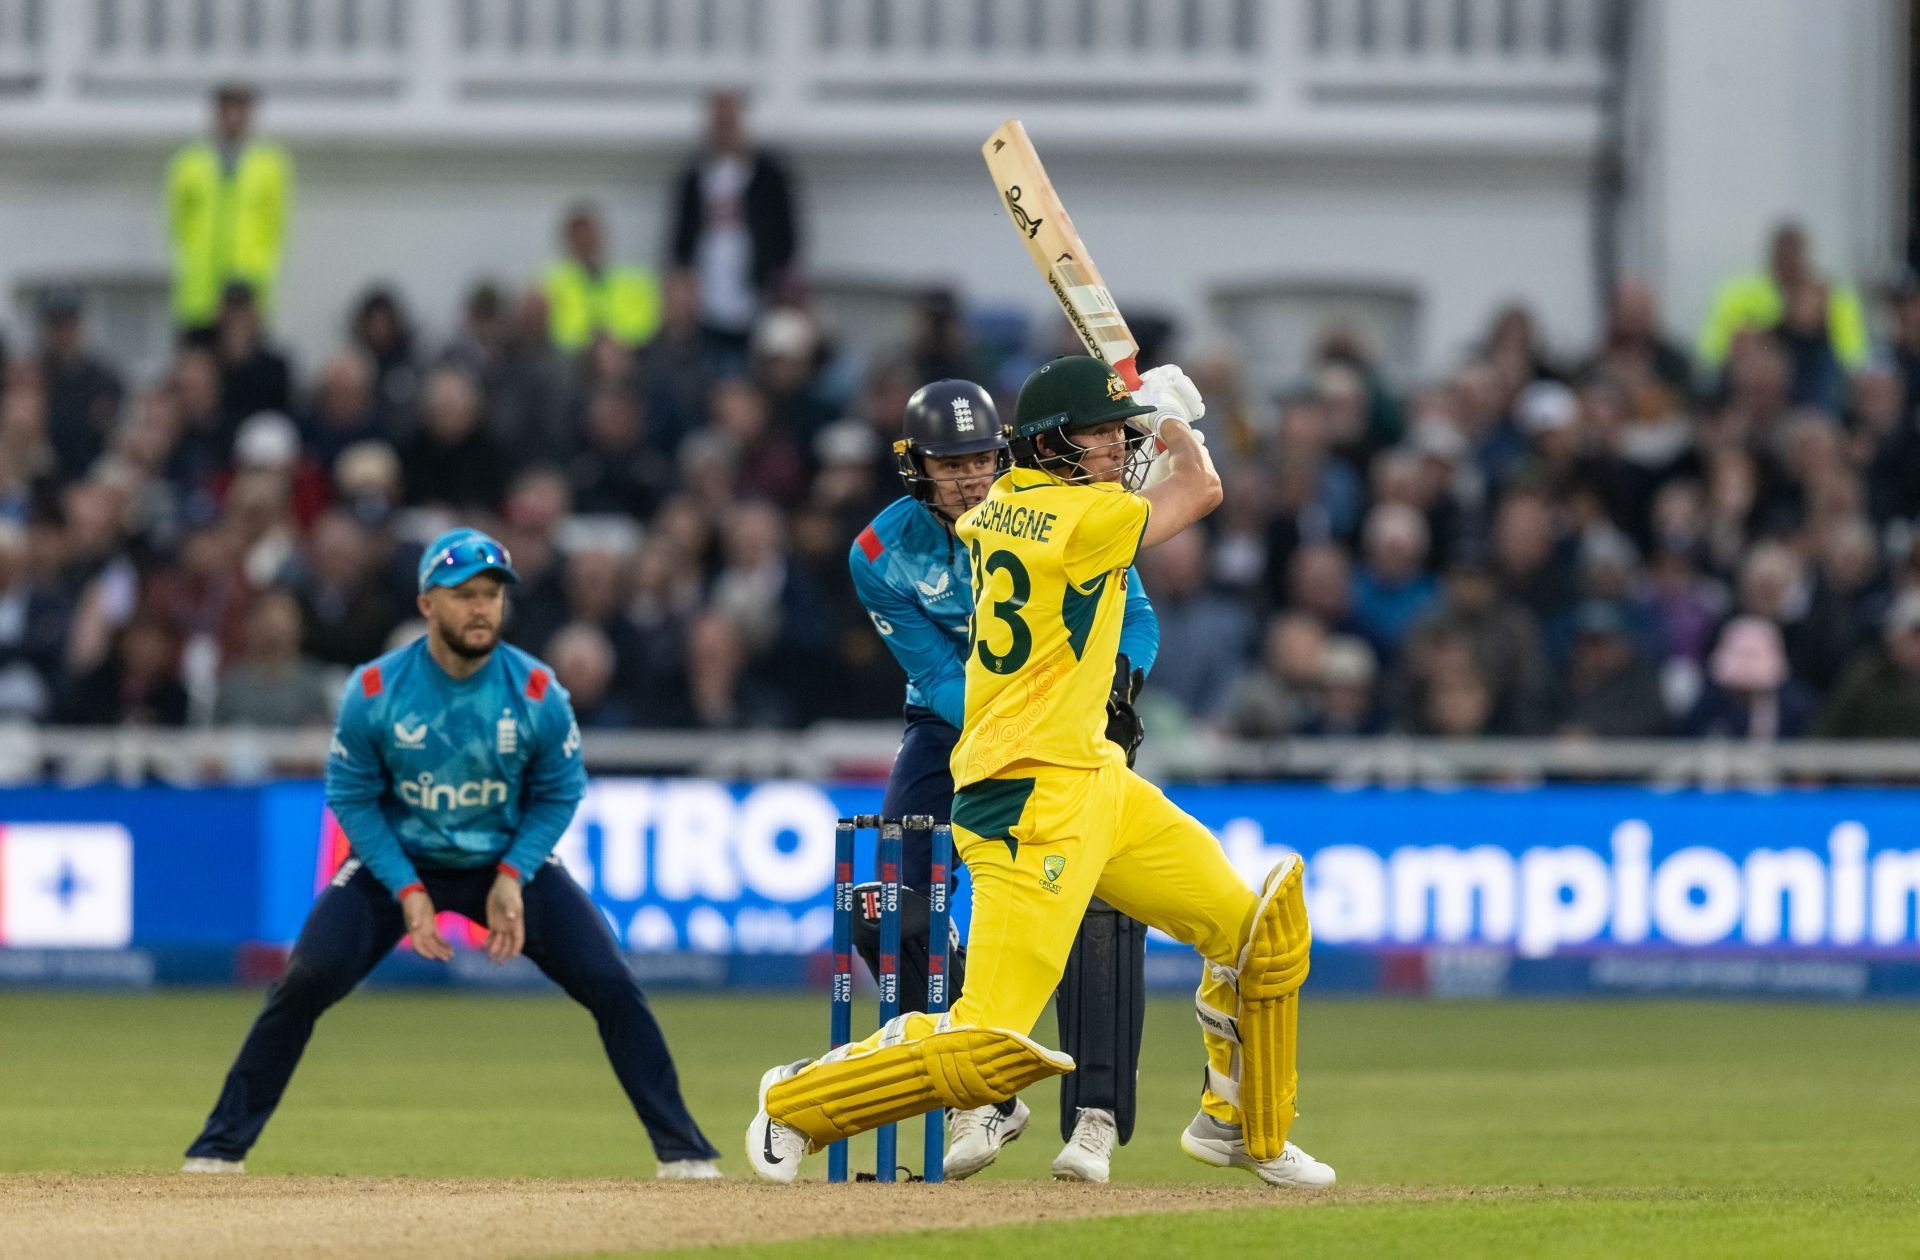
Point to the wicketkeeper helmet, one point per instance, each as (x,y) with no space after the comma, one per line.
(946,418)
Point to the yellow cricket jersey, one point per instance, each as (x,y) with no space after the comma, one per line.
(1049,593)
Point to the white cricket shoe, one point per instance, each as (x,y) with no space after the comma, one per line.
(1212,1142)
(774,1149)
(206,1164)
(688,1170)
(1087,1153)
(976,1136)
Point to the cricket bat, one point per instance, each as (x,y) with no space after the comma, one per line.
(1057,250)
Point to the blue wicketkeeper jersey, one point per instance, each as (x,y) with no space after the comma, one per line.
(429,771)
(912,575)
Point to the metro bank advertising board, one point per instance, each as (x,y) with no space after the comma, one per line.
(707,867)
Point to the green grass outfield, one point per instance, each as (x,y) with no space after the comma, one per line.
(1539,1129)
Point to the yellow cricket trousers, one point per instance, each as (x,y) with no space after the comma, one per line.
(1041,841)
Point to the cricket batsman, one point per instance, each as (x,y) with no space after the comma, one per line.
(455,767)
(1047,814)
(917,585)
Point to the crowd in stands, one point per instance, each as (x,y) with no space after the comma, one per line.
(1636,538)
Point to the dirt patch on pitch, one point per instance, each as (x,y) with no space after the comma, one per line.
(157,1217)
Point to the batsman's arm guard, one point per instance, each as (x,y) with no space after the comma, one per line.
(1101,1004)
(862,1087)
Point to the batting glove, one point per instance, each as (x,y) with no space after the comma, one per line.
(1170,392)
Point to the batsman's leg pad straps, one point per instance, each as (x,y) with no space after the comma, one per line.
(1215,1022)
(955,1067)
(1220,1029)
(1273,966)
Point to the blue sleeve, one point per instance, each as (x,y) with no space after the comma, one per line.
(355,783)
(1140,629)
(556,780)
(936,668)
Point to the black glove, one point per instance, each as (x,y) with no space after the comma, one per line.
(1123,724)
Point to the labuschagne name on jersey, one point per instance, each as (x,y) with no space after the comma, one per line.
(1016,521)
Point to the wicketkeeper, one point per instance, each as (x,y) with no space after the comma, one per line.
(917,586)
(455,769)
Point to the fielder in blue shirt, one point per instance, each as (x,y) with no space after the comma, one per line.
(913,577)
(454,770)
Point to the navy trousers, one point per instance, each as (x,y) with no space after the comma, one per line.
(921,783)
(357,922)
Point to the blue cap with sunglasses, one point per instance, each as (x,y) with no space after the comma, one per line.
(461,554)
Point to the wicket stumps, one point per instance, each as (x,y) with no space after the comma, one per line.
(889,858)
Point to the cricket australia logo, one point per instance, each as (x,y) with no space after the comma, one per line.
(405,737)
(963,415)
(937,590)
(1054,866)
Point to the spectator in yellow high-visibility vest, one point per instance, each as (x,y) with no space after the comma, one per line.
(228,201)
(1759,301)
(586,296)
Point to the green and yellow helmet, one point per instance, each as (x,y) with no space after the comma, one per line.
(1070,393)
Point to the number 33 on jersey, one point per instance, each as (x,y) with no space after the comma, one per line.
(1049,586)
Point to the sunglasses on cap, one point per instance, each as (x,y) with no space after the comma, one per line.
(473,551)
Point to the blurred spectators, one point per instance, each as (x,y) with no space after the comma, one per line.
(1751,696)
(1764,299)
(345,611)
(589,296)
(452,461)
(228,201)
(583,661)
(735,228)
(1393,590)
(1503,639)
(82,393)
(33,625)
(1636,347)
(381,331)
(343,411)
(270,683)
(253,377)
(1610,692)
(1280,695)
(1203,635)
(1345,702)
(1542,540)
(1879,696)
(138,684)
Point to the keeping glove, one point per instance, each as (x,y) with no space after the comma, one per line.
(1170,392)
(1123,724)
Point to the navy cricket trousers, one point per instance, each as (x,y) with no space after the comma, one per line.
(921,783)
(356,922)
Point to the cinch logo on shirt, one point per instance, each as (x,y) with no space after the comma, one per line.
(424,793)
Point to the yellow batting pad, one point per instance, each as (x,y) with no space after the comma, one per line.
(1273,966)
(961,1067)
